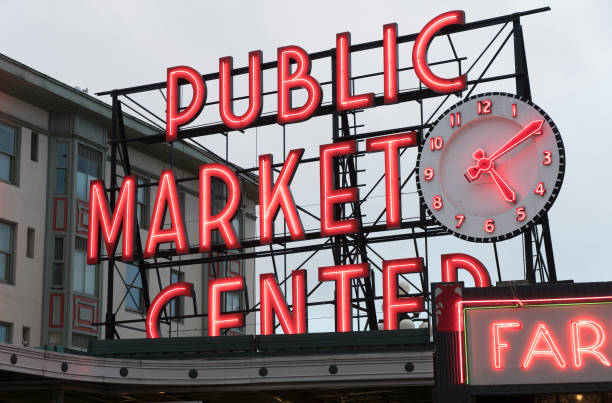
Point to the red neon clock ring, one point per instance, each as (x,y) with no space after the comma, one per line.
(490,167)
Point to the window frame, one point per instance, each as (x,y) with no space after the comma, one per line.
(14,158)
(177,304)
(128,297)
(64,168)
(25,336)
(34,146)
(61,262)
(228,294)
(74,268)
(146,204)
(240,295)
(9,331)
(31,243)
(10,276)
(88,179)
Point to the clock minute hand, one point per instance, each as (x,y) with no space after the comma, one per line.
(531,129)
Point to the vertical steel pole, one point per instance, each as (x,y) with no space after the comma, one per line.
(550,257)
(523,89)
(336,248)
(109,332)
(361,242)
(127,169)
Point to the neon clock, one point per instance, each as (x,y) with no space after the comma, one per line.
(490,167)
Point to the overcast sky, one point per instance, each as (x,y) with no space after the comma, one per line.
(102,45)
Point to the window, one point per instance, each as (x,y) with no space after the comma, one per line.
(7,244)
(34,147)
(61,168)
(6,332)
(182,196)
(142,204)
(83,275)
(88,169)
(8,153)
(218,190)
(81,341)
(55,339)
(30,243)
(25,336)
(57,277)
(232,301)
(219,199)
(176,305)
(134,298)
(237,223)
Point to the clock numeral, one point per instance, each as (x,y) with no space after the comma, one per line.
(513,110)
(520,214)
(455,119)
(547,158)
(428,174)
(460,218)
(484,107)
(437,203)
(540,190)
(489,225)
(436,143)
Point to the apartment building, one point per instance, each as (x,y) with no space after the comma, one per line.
(53,141)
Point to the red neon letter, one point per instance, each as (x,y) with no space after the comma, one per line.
(551,350)
(272,299)
(390,62)
(217,320)
(225,92)
(342,275)
(220,221)
(419,54)
(100,213)
(451,263)
(300,79)
(390,145)
(578,349)
(344,100)
(166,194)
(496,341)
(392,305)
(172,291)
(174,117)
(271,199)
(331,196)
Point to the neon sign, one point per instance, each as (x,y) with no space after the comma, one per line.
(536,341)
(294,72)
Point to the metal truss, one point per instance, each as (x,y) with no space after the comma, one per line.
(360,247)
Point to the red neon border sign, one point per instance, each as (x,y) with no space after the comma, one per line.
(510,303)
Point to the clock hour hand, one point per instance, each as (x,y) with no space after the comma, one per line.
(485,164)
(503,187)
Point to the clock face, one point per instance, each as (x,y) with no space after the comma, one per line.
(490,167)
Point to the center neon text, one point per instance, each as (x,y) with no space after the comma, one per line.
(293,318)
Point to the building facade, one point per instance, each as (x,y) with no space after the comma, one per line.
(53,142)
